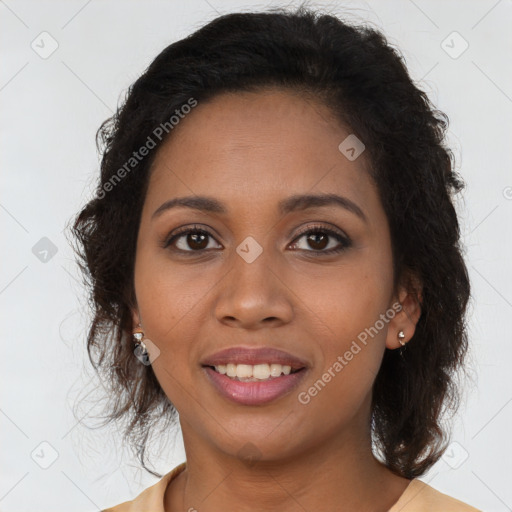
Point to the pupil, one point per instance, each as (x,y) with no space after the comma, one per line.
(194,238)
(314,236)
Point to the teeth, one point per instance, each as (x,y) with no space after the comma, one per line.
(253,372)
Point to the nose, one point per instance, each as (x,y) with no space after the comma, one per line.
(254,295)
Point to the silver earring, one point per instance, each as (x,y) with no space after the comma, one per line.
(141,351)
(401,337)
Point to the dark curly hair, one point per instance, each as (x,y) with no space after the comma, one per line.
(364,82)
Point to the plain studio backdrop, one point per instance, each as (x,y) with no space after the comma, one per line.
(64,67)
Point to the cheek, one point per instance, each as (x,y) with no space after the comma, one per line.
(163,302)
(171,299)
(347,300)
(166,293)
(345,311)
(351,355)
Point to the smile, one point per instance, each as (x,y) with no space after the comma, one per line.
(250,390)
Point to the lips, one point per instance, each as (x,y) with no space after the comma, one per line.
(254,356)
(254,393)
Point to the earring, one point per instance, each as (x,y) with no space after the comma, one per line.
(401,337)
(141,351)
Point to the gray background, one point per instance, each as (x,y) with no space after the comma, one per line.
(51,106)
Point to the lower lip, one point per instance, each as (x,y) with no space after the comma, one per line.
(254,393)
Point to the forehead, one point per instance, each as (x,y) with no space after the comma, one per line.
(257,147)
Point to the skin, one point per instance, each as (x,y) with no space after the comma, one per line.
(249,151)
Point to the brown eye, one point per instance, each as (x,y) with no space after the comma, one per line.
(197,240)
(318,241)
(319,238)
(190,240)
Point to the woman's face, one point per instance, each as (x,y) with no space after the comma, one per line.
(256,280)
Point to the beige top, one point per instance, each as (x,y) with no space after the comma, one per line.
(417,497)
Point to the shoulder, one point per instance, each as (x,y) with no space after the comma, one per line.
(152,498)
(420,497)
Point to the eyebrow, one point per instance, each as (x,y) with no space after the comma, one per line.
(285,206)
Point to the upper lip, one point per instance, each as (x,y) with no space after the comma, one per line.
(252,356)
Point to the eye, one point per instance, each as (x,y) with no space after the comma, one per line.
(318,238)
(195,238)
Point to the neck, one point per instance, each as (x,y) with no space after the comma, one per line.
(340,474)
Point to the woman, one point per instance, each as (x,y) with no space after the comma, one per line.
(274,254)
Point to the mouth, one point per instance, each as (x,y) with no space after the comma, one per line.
(253,362)
(250,391)
(254,373)
(254,376)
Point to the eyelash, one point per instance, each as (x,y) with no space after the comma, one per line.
(343,240)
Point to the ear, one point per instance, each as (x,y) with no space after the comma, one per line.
(135,319)
(410,297)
